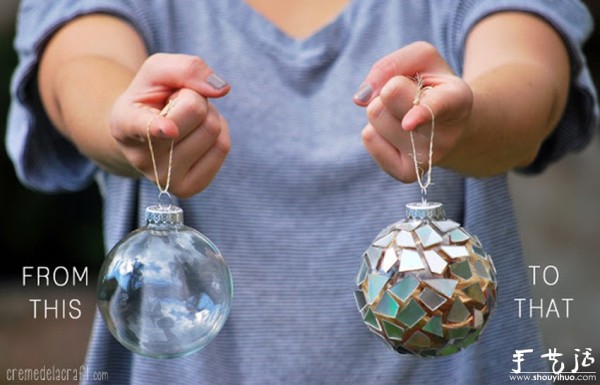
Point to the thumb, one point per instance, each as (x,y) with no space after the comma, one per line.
(415,58)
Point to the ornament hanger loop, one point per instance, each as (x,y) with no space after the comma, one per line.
(164,191)
(418,170)
(164,199)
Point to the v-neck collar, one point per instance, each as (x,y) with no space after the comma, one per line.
(327,40)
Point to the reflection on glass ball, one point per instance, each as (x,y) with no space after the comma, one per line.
(425,285)
(164,291)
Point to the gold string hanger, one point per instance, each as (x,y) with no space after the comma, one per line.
(163,191)
(421,88)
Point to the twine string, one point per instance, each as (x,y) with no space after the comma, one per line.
(163,191)
(418,170)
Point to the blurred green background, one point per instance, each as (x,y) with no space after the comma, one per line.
(558,214)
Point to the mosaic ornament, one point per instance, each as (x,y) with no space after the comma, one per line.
(425,285)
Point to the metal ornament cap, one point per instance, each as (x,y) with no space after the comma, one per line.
(425,210)
(164,215)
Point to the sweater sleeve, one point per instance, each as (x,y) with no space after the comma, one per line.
(43,159)
(574,23)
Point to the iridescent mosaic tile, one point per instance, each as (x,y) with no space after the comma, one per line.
(418,341)
(443,286)
(376,284)
(393,331)
(449,349)
(431,299)
(445,226)
(362,273)
(477,318)
(384,241)
(434,326)
(455,252)
(407,226)
(371,320)
(405,239)
(428,236)
(459,236)
(458,312)
(361,302)
(404,288)
(458,333)
(492,266)
(436,263)
(478,251)
(474,292)
(387,307)
(481,270)
(462,270)
(389,259)
(373,254)
(471,338)
(411,314)
(410,260)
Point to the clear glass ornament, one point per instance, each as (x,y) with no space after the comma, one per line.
(164,291)
(425,285)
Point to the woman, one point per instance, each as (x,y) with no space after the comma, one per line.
(271,166)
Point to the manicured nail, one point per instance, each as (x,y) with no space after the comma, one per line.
(215,81)
(364,93)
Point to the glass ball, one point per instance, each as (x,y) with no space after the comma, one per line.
(164,291)
(425,285)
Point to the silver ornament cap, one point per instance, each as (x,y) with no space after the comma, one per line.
(164,215)
(426,210)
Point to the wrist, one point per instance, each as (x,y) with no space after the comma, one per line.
(83,114)
(504,129)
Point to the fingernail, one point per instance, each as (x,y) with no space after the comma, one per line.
(215,81)
(364,93)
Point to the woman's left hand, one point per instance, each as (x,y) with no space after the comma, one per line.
(396,106)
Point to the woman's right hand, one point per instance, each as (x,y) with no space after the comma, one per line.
(200,133)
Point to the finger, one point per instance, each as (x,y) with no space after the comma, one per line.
(449,101)
(387,156)
(176,71)
(188,110)
(397,97)
(201,174)
(387,125)
(198,142)
(131,126)
(415,58)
